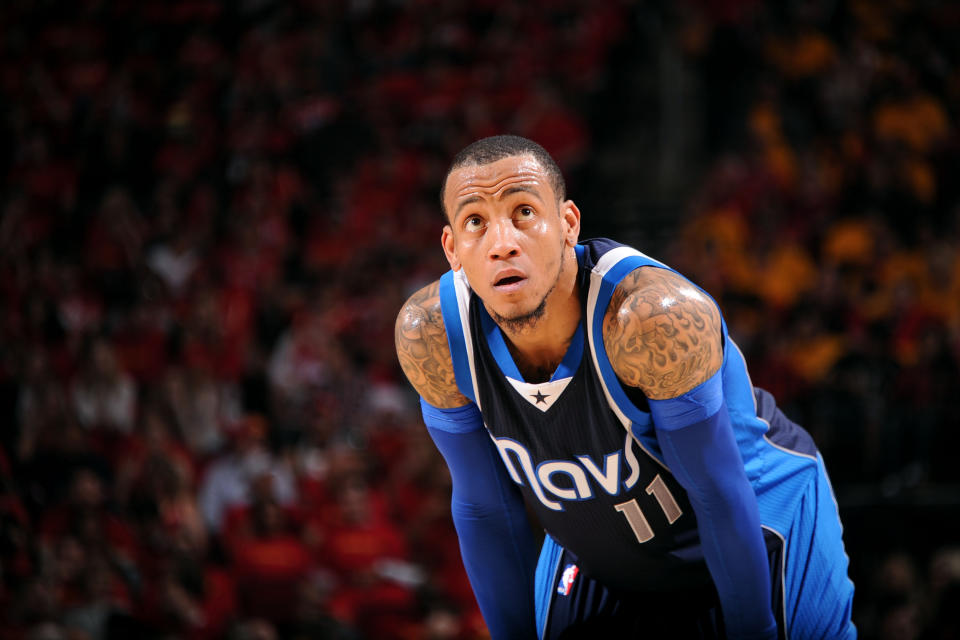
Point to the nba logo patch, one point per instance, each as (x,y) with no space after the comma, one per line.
(566,580)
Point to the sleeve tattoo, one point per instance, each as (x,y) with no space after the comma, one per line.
(661,334)
(422,349)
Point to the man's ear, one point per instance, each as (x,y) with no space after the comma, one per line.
(570,214)
(446,239)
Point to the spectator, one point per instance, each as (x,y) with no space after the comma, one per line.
(230,478)
(269,560)
(368,553)
(104,396)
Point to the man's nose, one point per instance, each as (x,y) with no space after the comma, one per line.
(502,235)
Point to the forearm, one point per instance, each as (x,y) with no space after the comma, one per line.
(496,542)
(698,445)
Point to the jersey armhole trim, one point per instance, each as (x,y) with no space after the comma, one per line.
(450,308)
(613,267)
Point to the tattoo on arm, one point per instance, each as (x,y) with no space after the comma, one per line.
(662,334)
(422,349)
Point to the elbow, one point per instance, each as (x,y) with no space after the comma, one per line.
(463,510)
(728,492)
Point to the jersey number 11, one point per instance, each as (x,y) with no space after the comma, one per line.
(638,522)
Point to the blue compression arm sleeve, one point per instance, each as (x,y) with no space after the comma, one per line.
(698,445)
(496,543)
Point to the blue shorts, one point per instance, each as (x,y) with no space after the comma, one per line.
(811,594)
(571,605)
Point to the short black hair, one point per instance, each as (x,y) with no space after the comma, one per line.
(487,150)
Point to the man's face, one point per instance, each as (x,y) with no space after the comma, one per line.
(509,233)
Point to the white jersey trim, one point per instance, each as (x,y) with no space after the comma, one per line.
(462,288)
(606,262)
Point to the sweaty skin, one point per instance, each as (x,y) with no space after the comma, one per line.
(661,334)
(423,350)
(514,239)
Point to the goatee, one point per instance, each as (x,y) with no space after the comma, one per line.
(523,322)
(527,321)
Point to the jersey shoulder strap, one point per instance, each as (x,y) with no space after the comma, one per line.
(455,306)
(606,263)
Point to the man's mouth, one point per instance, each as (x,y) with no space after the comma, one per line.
(509,280)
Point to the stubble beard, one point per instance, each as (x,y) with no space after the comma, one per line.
(528,321)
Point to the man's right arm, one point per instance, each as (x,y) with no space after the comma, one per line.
(496,543)
(423,351)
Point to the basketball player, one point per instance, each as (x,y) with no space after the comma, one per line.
(602,387)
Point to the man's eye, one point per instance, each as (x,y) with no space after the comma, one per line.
(473,224)
(524,213)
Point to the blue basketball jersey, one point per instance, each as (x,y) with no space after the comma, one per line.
(582,446)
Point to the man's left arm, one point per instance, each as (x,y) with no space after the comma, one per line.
(664,336)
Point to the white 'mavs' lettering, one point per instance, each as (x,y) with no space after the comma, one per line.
(609,478)
(582,488)
(541,480)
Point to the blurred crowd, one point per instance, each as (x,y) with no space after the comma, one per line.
(212,211)
(830,231)
(827,225)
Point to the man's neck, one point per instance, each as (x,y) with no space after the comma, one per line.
(538,350)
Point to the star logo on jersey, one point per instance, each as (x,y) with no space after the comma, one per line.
(539,397)
(542,395)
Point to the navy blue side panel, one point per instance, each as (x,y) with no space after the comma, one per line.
(458,346)
(783,431)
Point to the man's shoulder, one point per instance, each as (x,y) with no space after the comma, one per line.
(662,333)
(427,298)
(656,279)
(420,337)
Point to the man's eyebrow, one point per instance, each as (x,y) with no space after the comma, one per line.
(521,187)
(464,203)
(506,192)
